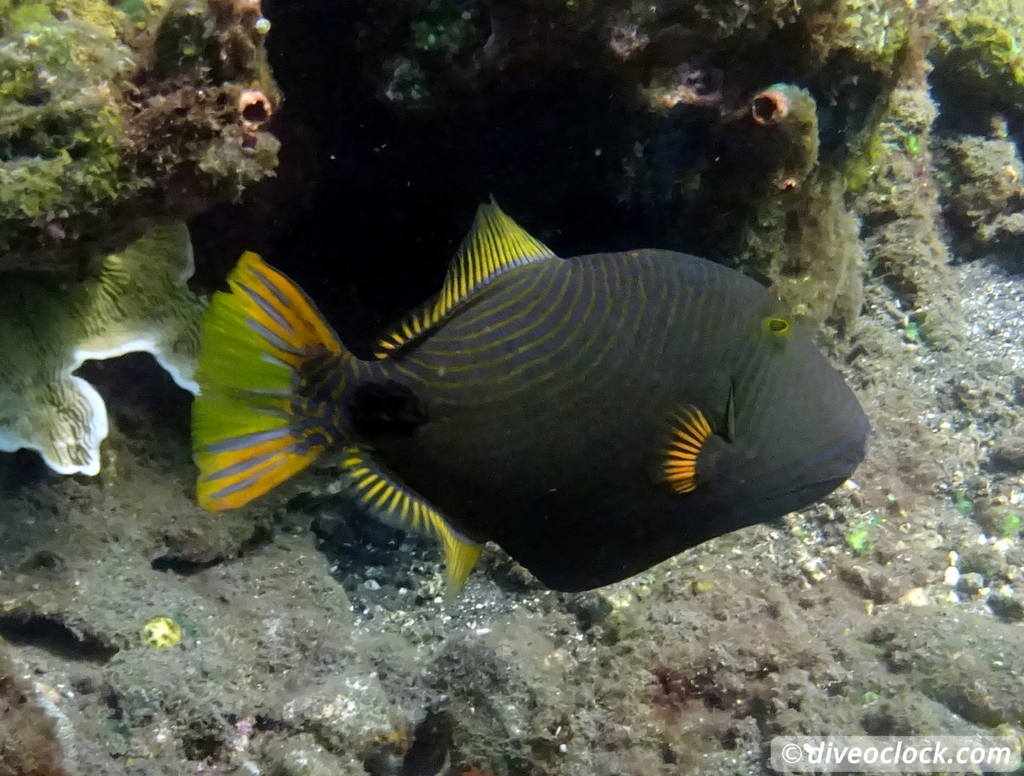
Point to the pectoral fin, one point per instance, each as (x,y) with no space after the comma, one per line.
(689,430)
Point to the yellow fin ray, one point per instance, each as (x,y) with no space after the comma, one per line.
(690,429)
(392,502)
(495,244)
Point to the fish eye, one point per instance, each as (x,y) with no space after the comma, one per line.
(776,326)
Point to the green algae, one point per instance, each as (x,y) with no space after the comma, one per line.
(861,536)
(858,540)
(1011,525)
(963,505)
(446,30)
(59,128)
(979,45)
(875,31)
(16,14)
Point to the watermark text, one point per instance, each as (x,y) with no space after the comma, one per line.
(892,754)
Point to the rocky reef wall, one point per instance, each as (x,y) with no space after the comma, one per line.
(659,121)
(117,112)
(859,155)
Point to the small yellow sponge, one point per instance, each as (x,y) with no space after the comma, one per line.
(161,633)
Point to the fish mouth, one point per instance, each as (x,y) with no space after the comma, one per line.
(809,494)
(833,469)
(758,494)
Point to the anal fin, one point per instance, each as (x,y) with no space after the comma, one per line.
(388,499)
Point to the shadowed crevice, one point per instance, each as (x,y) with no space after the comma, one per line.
(49,633)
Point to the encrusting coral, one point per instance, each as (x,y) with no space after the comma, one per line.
(136,300)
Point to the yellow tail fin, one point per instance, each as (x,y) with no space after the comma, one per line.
(254,424)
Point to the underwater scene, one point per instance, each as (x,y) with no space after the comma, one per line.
(508,387)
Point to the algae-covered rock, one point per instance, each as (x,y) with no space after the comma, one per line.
(893,191)
(769,145)
(303,755)
(980,180)
(979,57)
(29,744)
(424,52)
(112,111)
(60,123)
(969,663)
(807,243)
(874,31)
(783,205)
(1009,605)
(1008,454)
(136,300)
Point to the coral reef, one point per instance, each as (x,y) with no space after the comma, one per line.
(340,655)
(136,300)
(680,148)
(111,112)
(690,70)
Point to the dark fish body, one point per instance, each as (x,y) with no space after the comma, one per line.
(593,416)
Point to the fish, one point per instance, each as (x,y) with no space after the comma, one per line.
(592,416)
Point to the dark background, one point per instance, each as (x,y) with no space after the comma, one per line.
(371,200)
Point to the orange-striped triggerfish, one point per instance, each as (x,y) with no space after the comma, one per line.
(592,416)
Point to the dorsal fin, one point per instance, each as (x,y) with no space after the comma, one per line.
(495,244)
